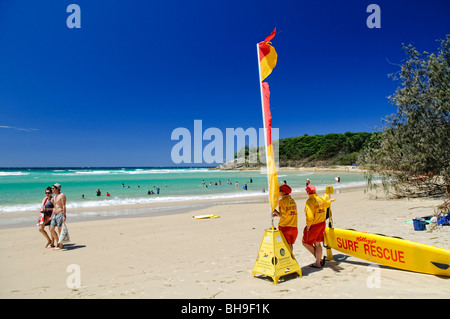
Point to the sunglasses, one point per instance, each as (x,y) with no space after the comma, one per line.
(48,192)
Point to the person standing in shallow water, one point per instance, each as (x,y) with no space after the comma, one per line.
(45,217)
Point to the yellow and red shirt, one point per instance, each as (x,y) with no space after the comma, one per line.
(288,211)
(316,209)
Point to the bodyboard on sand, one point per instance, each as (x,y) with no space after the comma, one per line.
(205,216)
(390,251)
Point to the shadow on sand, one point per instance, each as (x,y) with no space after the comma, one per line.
(72,246)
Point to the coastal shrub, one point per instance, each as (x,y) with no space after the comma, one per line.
(412,153)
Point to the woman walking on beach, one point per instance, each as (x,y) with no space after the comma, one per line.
(45,217)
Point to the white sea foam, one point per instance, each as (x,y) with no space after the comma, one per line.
(13,173)
(93,172)
(128,172)
(116,201)
(19,208)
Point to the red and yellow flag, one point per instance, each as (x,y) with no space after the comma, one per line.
(267,56)
(267,61)
(270,156)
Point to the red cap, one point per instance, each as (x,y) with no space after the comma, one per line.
(310,189)
(285,189)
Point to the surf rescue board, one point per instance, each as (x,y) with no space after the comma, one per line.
(390,251)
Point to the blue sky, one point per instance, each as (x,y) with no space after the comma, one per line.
(112,92)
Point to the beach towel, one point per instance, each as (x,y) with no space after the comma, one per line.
(64,236)
(42,219)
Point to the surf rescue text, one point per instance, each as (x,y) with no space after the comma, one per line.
(371,249)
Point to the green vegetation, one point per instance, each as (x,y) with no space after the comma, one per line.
(316,150)
(323,150)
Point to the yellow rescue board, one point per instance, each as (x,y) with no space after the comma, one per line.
(390,251)
(205,216)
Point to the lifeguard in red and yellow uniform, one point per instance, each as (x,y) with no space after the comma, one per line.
(315,212)
(288,215)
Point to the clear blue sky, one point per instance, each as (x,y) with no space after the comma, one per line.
(112,92)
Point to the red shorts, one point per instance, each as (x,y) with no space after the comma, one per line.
(315,234)
(290,233)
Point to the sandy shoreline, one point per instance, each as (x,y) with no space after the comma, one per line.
(176,256)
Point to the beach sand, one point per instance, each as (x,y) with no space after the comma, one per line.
(176,256)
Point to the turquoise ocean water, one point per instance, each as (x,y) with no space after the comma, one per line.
(22,190)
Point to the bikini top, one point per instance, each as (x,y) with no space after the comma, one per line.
(48,204)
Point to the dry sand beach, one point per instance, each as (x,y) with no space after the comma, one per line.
(176,256)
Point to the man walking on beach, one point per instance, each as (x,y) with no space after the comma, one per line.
(288,215)
(58,215)
(315,211)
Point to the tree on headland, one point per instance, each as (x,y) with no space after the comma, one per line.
(412,153)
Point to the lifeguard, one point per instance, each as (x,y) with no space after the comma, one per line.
(288,215)
(315,212)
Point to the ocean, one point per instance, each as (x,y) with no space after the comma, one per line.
(22,190)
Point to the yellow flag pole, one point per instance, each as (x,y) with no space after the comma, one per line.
(265,132)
